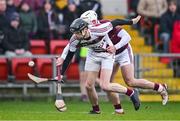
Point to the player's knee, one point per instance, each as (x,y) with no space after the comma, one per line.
(89,85)
(104,87)
(130,82)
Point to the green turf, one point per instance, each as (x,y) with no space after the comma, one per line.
(43,110)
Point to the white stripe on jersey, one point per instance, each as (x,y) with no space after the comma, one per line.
(101,29)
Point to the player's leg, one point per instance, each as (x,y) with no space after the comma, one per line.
(92,68)
(112,87)
(115,70)
(83,76)
(105,75)
(128,75)
(114,97)
(91,91)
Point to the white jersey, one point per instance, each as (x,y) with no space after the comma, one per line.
(98,41)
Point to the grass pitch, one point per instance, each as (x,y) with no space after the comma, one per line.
(44,110)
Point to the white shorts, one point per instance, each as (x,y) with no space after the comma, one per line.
(94,62)
(125,57)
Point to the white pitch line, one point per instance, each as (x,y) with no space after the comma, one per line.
(89,120)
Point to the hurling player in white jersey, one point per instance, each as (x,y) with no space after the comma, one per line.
(98,59)
(124,59)
(120,39)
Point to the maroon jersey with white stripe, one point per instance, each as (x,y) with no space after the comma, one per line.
(113,34)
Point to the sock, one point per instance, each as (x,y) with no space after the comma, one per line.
(118,108)
(129,92)
(84,97)
(96,108)
(158,87)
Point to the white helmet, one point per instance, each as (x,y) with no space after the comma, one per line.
(90,17)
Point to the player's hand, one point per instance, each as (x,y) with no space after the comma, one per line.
(60,78)
(111,49)
(136,20)
(59,61)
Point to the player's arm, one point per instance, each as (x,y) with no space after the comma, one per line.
(63,56)
(111,48)
(118,22)
(101,29)
(67,61)
(105,28)
(67,56)
(125,38)
(65,52)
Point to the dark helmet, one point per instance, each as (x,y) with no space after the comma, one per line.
(78,25)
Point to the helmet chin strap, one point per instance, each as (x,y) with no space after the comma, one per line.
(83,34)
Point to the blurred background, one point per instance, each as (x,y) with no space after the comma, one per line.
(38,30)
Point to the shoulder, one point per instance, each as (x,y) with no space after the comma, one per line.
(100,28)
(73,40)
(104,21)
(117,29)
(22,31)
(166,15)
